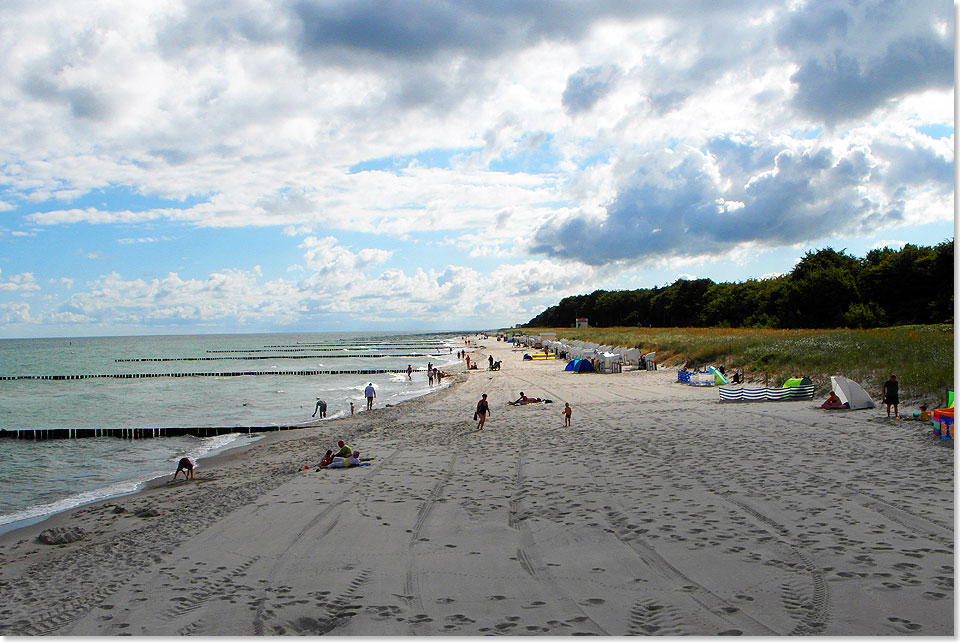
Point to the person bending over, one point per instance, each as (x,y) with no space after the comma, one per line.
(186,466)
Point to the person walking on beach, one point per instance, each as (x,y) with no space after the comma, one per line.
(186,466)
(483,409)
(567,411)
(891,395)
(369,392)
(430,376)
(409,372)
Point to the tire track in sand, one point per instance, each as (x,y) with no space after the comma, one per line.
(263,611)
(411,587)
(530,560)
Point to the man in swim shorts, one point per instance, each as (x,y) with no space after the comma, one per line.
(186,466)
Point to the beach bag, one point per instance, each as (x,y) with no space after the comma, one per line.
(474,416)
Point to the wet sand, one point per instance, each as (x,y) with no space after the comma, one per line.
(659,511)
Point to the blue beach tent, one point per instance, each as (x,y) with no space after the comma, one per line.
(579,365)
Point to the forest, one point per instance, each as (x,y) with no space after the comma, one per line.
(826,289)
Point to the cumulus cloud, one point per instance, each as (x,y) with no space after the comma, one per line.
(24,282)
(855,57)
(553,145)
(587,86)
(687,203)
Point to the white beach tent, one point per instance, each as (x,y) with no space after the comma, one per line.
(850,392)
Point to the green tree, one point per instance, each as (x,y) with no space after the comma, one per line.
(821,289)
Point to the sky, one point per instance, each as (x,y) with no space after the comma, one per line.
(196,166)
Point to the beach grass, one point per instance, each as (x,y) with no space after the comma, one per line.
(922,357)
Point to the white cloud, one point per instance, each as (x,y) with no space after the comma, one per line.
(555,146)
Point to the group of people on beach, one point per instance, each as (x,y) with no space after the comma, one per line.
(369,393)
(483,408)
(343,458)
(889,392)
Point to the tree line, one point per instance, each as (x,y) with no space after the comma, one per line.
(826,289)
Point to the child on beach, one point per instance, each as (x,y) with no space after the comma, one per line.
(186,466)
(567,411)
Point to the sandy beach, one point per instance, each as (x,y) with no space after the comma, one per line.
(659,511)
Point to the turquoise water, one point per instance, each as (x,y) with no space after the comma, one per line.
(42,477)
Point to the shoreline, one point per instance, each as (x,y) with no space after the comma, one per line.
(658,511)
(8,533)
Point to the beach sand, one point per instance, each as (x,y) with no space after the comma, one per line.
(659,511)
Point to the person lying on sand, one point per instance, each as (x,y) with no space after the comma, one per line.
(833,402)
(345,462)
(524,399)
(186,466)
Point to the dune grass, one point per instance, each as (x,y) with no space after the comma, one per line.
(921,356)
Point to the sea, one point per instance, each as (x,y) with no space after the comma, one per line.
(41,477)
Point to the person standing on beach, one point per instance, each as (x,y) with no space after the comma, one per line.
(891,395)
(369,392)
(483,409)
(567,412)
(409,372)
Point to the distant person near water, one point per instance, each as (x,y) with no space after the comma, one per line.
(370,392)
(891,395)
(483,409)
(186,466)
(321,408)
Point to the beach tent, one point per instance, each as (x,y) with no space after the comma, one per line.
(796,382)
(579,365)
(851,393)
